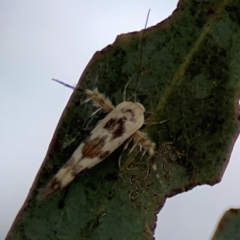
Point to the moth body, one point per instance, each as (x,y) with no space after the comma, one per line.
(120,124)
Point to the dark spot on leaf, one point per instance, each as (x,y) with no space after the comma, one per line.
(111,177)
(61,204)
(110,195)
(210,12)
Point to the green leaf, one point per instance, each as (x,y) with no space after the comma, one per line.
(189,76)
(229,226)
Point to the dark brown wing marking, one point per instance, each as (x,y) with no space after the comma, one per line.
(120,129)
(115,126)
(93,147)
(129,114)
(111,124)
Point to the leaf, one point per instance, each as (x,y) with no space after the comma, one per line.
(229,226)
(189,76)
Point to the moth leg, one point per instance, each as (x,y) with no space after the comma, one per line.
(125,146)
(86,125)
(95,112)
(141,139)
(99,100)
(124,92)
(154,123)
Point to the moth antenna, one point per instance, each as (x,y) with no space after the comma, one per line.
(141,52)
(69,86)
(99,100)
(63,83)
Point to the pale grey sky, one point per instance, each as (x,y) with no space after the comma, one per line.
(44,39)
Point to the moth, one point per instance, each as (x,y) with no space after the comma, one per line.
(120,126)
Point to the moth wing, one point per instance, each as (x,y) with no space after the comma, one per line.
(120,124)
(63,177)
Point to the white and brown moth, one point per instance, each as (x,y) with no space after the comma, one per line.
(121,125)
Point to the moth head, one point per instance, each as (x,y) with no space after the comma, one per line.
(141,106)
